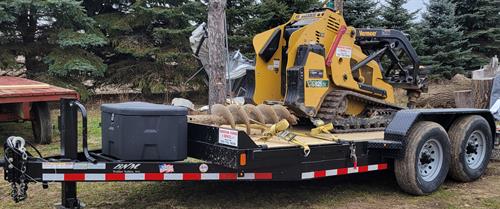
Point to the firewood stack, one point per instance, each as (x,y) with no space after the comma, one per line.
(482,83)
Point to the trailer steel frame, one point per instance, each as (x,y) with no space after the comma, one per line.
(217,162)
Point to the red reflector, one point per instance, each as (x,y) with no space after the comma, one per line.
(115,177)
(228,176)
(362,169)
(382,166)
(74,177)
(192,176)
(153,176)
(263,175)
(342,171)
(318,174)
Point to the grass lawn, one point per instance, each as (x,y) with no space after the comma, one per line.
(369,190)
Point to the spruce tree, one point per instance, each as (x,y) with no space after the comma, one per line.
(239,13)
(480,21)
(361,13)
(443,39)
(53,35)
(271,13)
(149,41)
(395,16)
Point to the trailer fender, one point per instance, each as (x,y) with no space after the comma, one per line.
(400,126)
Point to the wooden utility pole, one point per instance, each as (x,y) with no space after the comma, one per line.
(216,51)
(339,6)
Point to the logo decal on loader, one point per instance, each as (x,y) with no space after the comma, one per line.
(317,83)
(368,33)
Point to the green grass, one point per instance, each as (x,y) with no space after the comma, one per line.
(370,190)
(24,130)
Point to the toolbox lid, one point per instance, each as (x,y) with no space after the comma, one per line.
(143,108)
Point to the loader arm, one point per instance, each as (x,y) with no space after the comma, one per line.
(403,69)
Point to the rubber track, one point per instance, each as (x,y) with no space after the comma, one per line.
(330,112)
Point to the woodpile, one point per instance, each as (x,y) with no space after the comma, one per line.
(441,95)
(461,91)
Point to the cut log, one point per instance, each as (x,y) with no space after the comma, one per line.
(481,91)
(463,99)
(441,95)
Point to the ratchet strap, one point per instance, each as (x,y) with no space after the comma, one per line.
(280,130)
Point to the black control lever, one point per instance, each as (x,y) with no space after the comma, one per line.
(84,131)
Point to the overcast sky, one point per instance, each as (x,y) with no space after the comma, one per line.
(413,5)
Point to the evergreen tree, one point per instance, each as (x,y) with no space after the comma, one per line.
(395,16)
(149,41)
(51,34)
(239,13)
(361,13)
(443,39)
(480,21)
(271,13)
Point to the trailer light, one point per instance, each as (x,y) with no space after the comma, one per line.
(243,159)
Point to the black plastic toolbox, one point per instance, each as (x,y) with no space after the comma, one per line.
(144,131)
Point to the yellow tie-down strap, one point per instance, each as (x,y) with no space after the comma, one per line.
(281,131)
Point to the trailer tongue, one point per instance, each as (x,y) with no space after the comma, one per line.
(225,154)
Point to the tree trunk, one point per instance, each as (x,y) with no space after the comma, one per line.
(216,52)
(27,25)
(481,91)
(339,6)
(463,99)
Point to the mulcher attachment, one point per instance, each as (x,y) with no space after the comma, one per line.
(245,115)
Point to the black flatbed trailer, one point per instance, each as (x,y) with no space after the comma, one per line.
(244,161)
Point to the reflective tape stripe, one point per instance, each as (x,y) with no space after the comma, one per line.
(95,177)
(343,171)
(153,176)
(172,176)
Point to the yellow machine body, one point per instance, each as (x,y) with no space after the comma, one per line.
(300,49)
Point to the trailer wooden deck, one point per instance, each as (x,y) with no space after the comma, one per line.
(19,90)
(276,142)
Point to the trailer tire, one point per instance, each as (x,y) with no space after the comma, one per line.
(426,159)
(471,147)
(40,122)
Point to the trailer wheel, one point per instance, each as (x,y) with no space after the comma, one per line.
(426,159)
(471,146)
(40,122)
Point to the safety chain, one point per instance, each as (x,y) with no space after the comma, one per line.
(19,188)
(354,158)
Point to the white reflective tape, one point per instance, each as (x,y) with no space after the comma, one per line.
(352,170)
(95,177)
(52,177)
(332,172)
(57,165)
(210,176)
(308,175)
(172,176)
(247,176)
(89,166)
(134,177)
(372,167)
(97,166)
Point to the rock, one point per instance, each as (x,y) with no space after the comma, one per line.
(21,59)
(88,83)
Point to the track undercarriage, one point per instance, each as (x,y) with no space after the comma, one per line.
(375,117)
